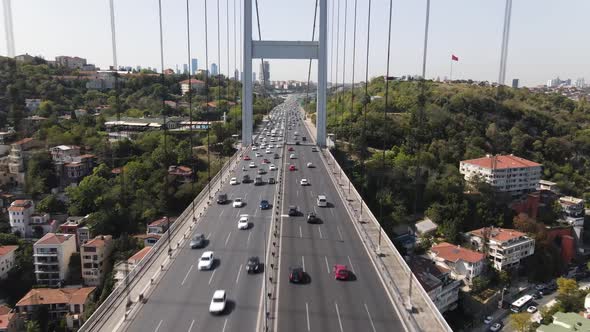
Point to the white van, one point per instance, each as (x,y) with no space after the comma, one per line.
(322,201)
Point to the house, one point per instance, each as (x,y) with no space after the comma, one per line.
(64,153)
(8,320)
(426,227)
(16,162)
(76,170)
(52,255)
(59,302)
(505,247)
(463,263)
(25,222)
(70,62)
(122,268)
(437,282)
(547,185)
(6,259)
(572,207)
(566,322)
(159,226)
(195,85)
(94,256)
(148,239)
(75,225)
(7,135)
(182,174)
(508,173)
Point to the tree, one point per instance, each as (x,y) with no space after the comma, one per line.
(567,286)
(521,322)
(40,176)
(51,204)
(479,284)
(74,270)
(32,326)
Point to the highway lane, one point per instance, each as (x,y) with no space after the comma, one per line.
(181,300)
(326,304)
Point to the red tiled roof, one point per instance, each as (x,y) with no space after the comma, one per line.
(453,253)
(23,141)
(148,236)
(37,296)
(52,238)
(138,256)
(193,81)
(161,221)
(98,241)
(214,103)
(19,205)
(6,249)
(501,162)
(498,234)
(5,317)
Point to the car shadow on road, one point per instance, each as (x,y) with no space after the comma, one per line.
(230,306)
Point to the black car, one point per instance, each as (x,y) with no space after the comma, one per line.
(198,241)
(296,275)
(246,178)
(276,156)
(312,218)
(253,265)
(293,211)
(296,142)
(221,198)
(258,181)
(271,181)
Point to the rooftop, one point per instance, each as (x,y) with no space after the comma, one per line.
(566,322)
(498,234)
(98,241)
(138,256)
(52,238)
(428,273)
(161,222)
(454,253)
(37,296)
(501,162)
(7,249)
(569,200)
(20,205)
(192,81)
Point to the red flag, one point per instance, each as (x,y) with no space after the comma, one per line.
(454,57)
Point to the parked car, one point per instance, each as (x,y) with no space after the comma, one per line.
(496,327)
(488,319)
(531,309)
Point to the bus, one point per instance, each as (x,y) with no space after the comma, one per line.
(521,304)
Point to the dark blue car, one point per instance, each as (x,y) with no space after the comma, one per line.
(264,205)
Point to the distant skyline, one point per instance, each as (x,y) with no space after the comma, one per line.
(547,38)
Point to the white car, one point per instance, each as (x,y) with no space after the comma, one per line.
(532,309)
(206,261)
(292,156)
(217,305)
(310,165)
(243,222)
(258,154)
(268,151)
(496,327)
(238,203)
(488,320)
(271,146)
(233,181)
(272,167)
(304,182)
(254,148)
(252,164)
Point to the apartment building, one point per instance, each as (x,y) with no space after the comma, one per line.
(76,225)
(52,257)
(59,302)
(94,256)
(195,85)
(507,173)
(19,215)
(505,247)
(64,153)
(437,282)
(6,259)
(463,263)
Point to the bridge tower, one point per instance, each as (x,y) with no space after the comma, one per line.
(274,49)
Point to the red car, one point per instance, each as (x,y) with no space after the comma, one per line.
(247,158)
(340,272)
(291,148)
(265,161)
(292,168)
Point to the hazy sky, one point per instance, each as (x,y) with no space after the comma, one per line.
(548,38)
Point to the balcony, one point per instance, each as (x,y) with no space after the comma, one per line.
(45,254)
(46,262)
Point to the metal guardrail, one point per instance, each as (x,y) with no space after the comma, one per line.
(400,260)
(131,279)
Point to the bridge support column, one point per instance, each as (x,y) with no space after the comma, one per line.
(322,76)
(247,77)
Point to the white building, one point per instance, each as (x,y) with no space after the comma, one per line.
(64,153)
(505,247)
(72,62)
(121,269)
(19,215)
(195,85)
(572,206)
(94,256)
(6,260)
(437,282)
(463,263)
(52,256)
(508,173)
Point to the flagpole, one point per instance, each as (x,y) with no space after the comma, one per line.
(451,70)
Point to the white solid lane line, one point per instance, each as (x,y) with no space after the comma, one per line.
(327,265)
(339,320)
(339,233)
(238,276)
(300,232)
(370,319)
(303,263)
(211,278)
(186,276)
(320,230)
(351,266)
(307,312)
(193,323)
(158,327)
(227,238)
